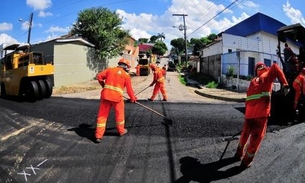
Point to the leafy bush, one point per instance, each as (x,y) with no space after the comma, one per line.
(230,72)
(212,84)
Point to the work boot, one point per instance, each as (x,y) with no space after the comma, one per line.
(238,156)
(98,140)
(245,165)
(150,99)
(239,153)
(247,161)
(125,131)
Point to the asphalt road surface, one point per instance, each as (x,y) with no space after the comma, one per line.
(52,141)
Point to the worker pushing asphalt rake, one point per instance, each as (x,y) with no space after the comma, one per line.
(167,121)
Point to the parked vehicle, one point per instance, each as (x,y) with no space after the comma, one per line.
(171,66)
(25,74)
(144,67)
(282,110)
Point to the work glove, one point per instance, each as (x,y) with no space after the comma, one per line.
(134,99)
(285,90)
(102,83)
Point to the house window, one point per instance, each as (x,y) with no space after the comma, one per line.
(267,62)
(251,65)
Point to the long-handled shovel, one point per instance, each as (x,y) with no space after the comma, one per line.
(229,139)
(141,91)
(167,120)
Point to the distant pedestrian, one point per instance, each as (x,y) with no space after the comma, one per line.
(113,80)
(258,105)
(164,70)
(158,81)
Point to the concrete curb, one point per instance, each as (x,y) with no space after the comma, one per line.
(220,97)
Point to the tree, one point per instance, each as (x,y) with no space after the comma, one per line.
(102,28)
(153,39)
(178,44)
(159,48)
(142,40)
(198,44)
(161,36)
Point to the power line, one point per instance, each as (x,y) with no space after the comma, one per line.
(227,7)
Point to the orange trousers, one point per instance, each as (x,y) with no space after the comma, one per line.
(256,130)
(161,87)
(298,91)
(103,113)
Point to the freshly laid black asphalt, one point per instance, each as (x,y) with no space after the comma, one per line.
(53,141)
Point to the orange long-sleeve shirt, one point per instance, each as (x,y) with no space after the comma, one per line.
(258,102)
(116,79)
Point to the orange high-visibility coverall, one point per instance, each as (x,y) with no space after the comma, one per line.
(258,105)
(138,70)
(159,81)
(116,79)
(299,87)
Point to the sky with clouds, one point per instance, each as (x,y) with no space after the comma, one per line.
(144,18)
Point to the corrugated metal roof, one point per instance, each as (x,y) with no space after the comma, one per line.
(256,23)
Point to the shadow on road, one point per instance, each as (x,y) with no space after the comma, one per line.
(84,130)
(88,131)
(193,170)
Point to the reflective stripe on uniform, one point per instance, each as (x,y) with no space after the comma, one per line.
(100,125)
(298,81)
(250,155)
(120,123)
(161,79)
(258,96)
(114,88)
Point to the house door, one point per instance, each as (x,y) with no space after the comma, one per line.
(251,65)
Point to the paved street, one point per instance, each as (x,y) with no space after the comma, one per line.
(52,141)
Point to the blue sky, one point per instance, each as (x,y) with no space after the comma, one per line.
(144,18)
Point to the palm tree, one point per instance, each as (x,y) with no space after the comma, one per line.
(161,36)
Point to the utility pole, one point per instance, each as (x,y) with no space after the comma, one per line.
(30,27)
(184,28)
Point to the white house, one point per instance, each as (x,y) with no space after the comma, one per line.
(241,47)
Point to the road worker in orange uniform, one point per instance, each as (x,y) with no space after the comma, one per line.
(113,80)
(158,81)
(299,87)
(137,70)
(258,105)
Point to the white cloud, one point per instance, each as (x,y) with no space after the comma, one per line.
(6,26)
(199,20)
(4,38)
(52,36)
(44,14)
(39,4)
(25,25)
(293,14)
(53,29)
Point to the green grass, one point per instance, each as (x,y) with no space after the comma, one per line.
(182,79)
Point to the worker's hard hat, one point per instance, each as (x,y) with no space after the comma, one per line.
(125,62)
(153,66)
(259,64)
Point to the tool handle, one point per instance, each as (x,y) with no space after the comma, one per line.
(148,108)
(141,91)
